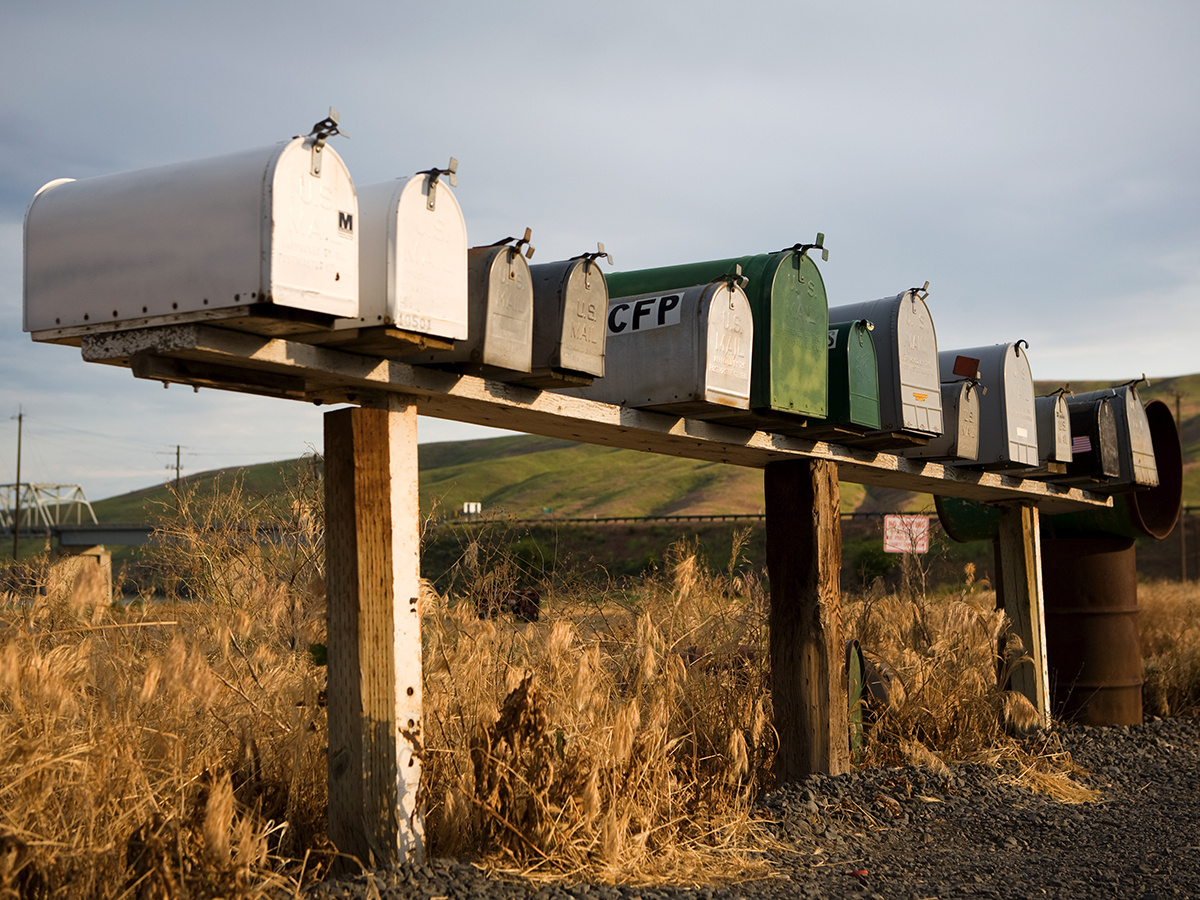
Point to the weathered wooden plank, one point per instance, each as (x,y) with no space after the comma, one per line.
(374,642)
(804,559)
(1019,555)
(338,376)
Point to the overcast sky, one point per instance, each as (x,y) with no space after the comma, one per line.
(1038,163)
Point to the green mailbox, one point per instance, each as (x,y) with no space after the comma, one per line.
(853,384)
(789,369)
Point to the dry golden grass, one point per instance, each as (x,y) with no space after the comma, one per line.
(1169,622)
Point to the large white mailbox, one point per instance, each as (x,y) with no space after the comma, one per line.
(265,239)
(685,352)
(412,257)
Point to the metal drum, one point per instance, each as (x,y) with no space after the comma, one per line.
(264,240)
(1093,647)
(569,302)
(685,352)
(1007,421)
(789,369)
(910,391)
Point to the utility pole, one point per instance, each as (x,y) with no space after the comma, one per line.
(177,449)
(17,505)
(1183,509)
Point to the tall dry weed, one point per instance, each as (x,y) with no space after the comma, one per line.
(1169,623)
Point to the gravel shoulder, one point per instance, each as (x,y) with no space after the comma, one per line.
(912,833)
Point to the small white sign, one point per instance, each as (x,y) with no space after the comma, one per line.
(906,534)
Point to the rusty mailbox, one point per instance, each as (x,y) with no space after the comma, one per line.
(265,240)
(910,392)
(1138,468)
(569,303)
(499,338)
(698,342)
(413,256)
(1007,422)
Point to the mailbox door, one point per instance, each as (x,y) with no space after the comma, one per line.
(187,240)
(507,339)
(1138,466)
(727,328)
(569,301)
(910,393)
(1053,428)
(853,375)
(789,369)
(413,259)
(960,418)
(1095,449)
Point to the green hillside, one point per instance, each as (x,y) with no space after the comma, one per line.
(524,475)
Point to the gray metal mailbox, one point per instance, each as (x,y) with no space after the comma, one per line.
(1136,449)
(910,393)
(264,239)
(1095,449)
(1007,421)
(960,419)
(412,256)
(1054,436)
(499,338)
(685,352)
(570,300)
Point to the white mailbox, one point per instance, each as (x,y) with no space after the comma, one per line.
(1007,422)
(412,256)
(264,239)
(499,338)
(910,391)
(960,418)
(685,352)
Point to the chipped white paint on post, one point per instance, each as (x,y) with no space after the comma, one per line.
(406,568)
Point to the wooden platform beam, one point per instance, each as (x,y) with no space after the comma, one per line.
(804,560)
(374,633)
(1019,565)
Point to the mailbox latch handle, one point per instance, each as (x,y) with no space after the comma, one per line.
(590,258)
(451,171)
(518,243)
(802,249)
(321,132)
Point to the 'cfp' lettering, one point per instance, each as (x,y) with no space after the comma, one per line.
(645,314)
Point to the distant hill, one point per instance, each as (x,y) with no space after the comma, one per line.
(524,475)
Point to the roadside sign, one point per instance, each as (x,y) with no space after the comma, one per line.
(906,534)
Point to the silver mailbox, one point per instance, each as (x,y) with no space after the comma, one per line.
(265,239)
(412,257)
(1136,450)
(1054,436)
(499,338)
(569,304)
(960,418)
(910,392)
(685,352)
(1007,422)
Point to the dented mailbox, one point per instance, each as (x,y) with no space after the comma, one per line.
(499,338)
(1138,468)
(412,257)
(853,383)
(569,303)
(910,392)
(263,239)
(960,420)
(1007,422)
(789,368)
(698,341)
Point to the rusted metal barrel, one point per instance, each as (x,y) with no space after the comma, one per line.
(1092,640)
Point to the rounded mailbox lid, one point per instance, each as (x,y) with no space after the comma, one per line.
(728,329)
(413,257)
(1054,428)
(253,227)
(568,325)
(506,307)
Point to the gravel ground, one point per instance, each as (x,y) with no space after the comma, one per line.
(911,833)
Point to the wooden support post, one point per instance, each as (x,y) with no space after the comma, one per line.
(804,558)
(374,635)
(1019,552)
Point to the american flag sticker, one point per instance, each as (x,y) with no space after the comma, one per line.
(1081,444)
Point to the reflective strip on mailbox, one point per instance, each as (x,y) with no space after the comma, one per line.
(1007,422)
(686,352)
(194,241)
(413,258)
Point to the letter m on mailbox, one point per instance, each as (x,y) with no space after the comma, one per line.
(346,222)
